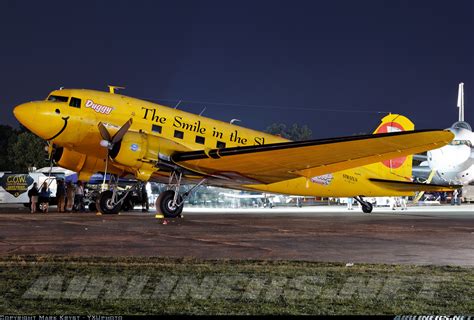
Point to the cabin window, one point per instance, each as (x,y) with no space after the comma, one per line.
(178,134)
(220,145)
(75,102)
(58,98)
(200,139)
(156,128)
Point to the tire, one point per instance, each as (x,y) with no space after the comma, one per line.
(163,204)
(92,207)
(126,206)
(367,207)
(103,203)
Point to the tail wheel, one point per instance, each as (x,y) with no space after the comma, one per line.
(104,203)
(367,207)
(164,204)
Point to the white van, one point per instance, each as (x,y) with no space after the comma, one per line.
(14,186)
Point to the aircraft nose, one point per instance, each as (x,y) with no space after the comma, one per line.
(25,113)
(40,118)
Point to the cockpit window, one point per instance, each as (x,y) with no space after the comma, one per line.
(58,98)
(75,102)
(461,142)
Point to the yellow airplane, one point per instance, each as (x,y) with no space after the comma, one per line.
(153,142)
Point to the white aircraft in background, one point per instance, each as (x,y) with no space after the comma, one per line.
(453,163)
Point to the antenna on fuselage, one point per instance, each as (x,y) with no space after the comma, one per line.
(235,120)
(176,106)
(202,111)
(461,101)
(113,88)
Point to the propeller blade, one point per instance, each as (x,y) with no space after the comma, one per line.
(104,132)
(122,131)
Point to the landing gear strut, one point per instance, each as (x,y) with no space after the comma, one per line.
(367,207)
(111,201)
(170,203)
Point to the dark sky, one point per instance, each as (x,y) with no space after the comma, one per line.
(399,56)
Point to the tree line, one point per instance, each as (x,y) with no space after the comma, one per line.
(20,150)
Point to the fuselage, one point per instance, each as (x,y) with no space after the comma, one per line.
(69,118)
(454,163)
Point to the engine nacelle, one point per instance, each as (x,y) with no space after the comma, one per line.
(130,150)
(85,165)
(138,151)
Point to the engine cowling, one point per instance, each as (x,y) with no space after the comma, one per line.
(140,152)
(137,151)
(85,165)
(130,150)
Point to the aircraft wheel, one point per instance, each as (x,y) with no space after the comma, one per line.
(92,207)
(126,206)
(367,207)
(103,203)
(164,205)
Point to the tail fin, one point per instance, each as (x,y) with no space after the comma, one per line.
(398,168)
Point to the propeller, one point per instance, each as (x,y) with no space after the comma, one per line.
(108,141)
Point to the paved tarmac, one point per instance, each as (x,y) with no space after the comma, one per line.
(422,235)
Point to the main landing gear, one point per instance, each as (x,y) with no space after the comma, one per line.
(111,201)
(170,203)
(367,207)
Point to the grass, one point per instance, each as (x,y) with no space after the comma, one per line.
(75,285)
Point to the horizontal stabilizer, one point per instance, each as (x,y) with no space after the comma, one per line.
(413,186)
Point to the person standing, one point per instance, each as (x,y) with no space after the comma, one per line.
(392,203)
(403,202)
(144,197)
(454,199)
(349,203)
(61,195)
(44,197)
(33,195)
(79,197)
(70,192)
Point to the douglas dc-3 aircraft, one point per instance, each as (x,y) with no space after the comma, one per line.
(94,131)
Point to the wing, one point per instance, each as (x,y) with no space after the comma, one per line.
(413,186)
(282,161)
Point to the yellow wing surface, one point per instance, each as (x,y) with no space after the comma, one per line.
(282,161)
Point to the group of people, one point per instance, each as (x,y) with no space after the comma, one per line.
(39,197)
(68,195)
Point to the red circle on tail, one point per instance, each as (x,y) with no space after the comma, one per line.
(392,127)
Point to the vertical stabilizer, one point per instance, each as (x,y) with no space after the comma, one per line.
(398,168)
(461,101)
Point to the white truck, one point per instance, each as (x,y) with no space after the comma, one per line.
(14,186)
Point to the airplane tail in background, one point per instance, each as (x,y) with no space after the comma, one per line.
(398,168)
